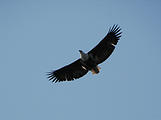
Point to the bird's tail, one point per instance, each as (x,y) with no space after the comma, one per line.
(95,70)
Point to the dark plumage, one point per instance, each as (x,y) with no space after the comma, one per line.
(68,72)
(90,60)
(105,48)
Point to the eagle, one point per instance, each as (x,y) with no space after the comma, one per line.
(88,61)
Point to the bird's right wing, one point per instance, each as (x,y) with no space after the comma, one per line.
(69,72)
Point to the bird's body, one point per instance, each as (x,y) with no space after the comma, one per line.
(88,61)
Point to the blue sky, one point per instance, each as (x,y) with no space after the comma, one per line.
(40,36)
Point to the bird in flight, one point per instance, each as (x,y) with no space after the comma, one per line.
(88,61)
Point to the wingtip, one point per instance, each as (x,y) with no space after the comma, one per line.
(51,76)
(116,29)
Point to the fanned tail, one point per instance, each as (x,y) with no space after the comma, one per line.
(95,70)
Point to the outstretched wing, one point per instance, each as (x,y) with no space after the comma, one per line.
(105,48)
(69,72)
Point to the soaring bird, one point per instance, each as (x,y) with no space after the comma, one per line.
(88,61)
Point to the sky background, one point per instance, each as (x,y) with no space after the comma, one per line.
(37,36)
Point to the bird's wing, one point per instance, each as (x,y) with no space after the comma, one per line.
(105,48)
(69,72)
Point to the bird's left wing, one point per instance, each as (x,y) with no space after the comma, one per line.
(69,72)
(105,48)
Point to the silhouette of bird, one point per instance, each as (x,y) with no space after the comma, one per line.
(88,61)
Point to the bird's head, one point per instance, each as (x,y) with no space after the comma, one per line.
(83,55)
(80,51)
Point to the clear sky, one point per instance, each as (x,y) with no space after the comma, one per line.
(37,36)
